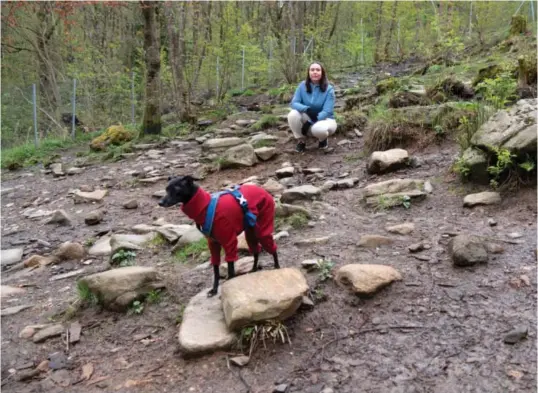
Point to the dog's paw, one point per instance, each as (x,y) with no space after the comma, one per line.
(212,293)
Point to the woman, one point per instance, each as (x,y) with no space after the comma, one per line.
(312,111)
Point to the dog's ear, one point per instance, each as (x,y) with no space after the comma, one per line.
(188,179)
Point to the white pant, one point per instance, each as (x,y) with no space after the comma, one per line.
(320,130)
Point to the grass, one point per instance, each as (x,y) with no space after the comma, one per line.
(267,121)
(157,241)
(28,154)
(264,143)
(296,220)
(191,252)
(85,295)
(270,330)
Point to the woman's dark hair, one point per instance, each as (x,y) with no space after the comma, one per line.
(323,82)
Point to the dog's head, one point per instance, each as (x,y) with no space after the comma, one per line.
(180,189)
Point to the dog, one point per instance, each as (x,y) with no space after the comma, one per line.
(229,220)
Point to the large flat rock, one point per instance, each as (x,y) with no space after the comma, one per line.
(366,279)
(11,256)
(254,297)
(103,246)
(204,329)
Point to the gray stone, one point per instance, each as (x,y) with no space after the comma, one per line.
(94,217)
(285,172)
(14,310)
(116,289)
(103,247)
(203,328)
(271,294)
(516,335)
(11,256)
(372,241)
(74,171)
(131,204)
(221,143)
(48,332)
(265,153)
(59,217)
(239,156)
(387,161)
(401,229)
(273,187)
(57,169)
(300,192)
(88,197)
(476,161)
(366,279)
(482,198)
(467,251)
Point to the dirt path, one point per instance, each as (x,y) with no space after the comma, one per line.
(440,329)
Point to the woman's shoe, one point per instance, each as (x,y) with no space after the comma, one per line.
(301,147)
(323,144)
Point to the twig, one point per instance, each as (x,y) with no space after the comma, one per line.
(238,375)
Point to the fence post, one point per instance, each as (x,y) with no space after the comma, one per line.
(270,59)
(132,99)
(34,100)
(218,96)
(243,71)
(73,100)
(362,43)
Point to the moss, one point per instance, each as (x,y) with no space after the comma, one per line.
(114,135)
(518,25)
(386,85)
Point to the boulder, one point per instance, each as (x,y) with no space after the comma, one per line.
(265,153)
(221,143)
(467,250)
(482,198)
(271,294)
(366,279)
(475,162)
(300,192)
(239,156)
(387,161)
(116,289)
(203,329)
(393,192)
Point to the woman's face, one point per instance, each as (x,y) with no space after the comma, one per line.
(315,72)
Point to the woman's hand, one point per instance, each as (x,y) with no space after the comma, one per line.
(312,114)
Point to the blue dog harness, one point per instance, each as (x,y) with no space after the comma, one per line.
(249,217)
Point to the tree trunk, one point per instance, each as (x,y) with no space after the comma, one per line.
(378,30)
(391,29)
(151,124)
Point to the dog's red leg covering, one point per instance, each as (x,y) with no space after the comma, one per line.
(214,249)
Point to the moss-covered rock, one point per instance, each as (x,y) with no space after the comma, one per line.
(518,25)
(386,85)
(402,99)
(114,135)
(450,88)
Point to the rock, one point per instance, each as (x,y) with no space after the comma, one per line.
(314,240)
(88,197)
(11,256)
(172,232)
(492,222)
(271,294)
(74,171)
(193,235)
(273,187)
(116,289)
(428,187)
(30,330)
(310,264)
(347,183)
(69,251)
(102,246)
(467,251)
(242,266)
(476,162)
(285,172)
(515,335)
(300,192)
(239,156)
(152,180)
(240,361)
(7,291)
(36,213)
(94,217)
(366,279)
(120,244)
(282,388)
(159,194)
(482,198)
(312,171)
(513,129)
(387,161)
(401,229)
(203,328)
(48,332)
(393,192)
(221,143)
(14,310)
(262,137)
(372,241)
(265,153)
(38,260)
(131,204)
(60,217)
(57,169)
(416,247)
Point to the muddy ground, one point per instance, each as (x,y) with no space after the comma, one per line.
(440,329)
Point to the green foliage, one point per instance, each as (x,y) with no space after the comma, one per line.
(296,220)
(325,269)
(154,296)
(124,258)
(405,201)
(470,123)
(461,167)
(251,336)
(85,294)
(498,91)
(191,252)
(137,307)
(267,121)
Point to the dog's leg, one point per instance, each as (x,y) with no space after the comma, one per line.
(275,258)
(253,244)
(216,278)
(231,270)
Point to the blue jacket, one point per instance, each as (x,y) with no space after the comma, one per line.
(321,102)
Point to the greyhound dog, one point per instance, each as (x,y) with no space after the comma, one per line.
(222,216)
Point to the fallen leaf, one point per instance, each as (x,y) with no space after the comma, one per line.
(133,382)
(97,380)
(514,374)
(87,371)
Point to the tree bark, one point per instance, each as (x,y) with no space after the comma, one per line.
(151,123)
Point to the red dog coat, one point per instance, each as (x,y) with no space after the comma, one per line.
(228,222)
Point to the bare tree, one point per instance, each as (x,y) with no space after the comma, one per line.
(151,123)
